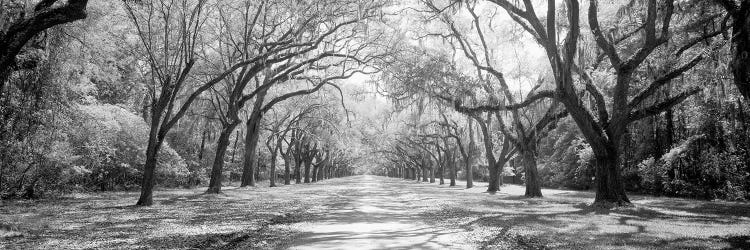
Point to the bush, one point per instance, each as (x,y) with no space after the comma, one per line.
(99,147)
(571,168)
(112,145)
(697,169)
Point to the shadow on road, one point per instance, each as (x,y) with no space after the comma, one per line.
(377,214)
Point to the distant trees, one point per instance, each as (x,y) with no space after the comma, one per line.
(466,148)
(300,57)
(523,136)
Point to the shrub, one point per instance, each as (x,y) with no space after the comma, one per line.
(112,144)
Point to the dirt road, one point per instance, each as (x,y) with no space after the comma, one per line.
(376,214)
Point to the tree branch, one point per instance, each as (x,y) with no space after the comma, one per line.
(601,104)
(601,41)
(655,85)
(43,17)
(663,106)
(489,108)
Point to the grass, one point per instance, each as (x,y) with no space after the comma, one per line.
(564,219)
(178,219)
(266,218)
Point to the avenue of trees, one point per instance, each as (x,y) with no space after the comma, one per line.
(621,96)
(146,93)
(628,95)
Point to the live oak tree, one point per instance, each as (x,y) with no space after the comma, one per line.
(419,76)
(603,129)
(335,46)
(269,50)
(171,34)
(467,150)
(522,135)
(17,27)
(263,34)
(279,128)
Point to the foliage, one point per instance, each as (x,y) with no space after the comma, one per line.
(570,167)
(111,142)
(94,147)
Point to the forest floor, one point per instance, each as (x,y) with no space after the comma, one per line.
(368,212)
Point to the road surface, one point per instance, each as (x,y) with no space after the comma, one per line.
(377,213)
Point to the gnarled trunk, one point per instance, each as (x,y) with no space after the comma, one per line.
(609,188)
(494,183)
(214,185)
(251,144)
(252,134)
(533,185)
(495,178)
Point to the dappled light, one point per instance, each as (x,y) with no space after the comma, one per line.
(369,212)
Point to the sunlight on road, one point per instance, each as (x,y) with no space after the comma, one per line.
(373,217)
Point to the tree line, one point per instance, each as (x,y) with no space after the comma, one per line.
(168,83)
(641,96)
(612,71)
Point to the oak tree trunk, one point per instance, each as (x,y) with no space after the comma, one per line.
(432,175)
(609,188)
(533,186)
(441,173)
(452,163)
(307,170)
(272,169)
(314,177)
(297,171)
(214,185)
(494,183)
(148,181)
(469,173)
(252,134)
(741,50)
(287,169)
